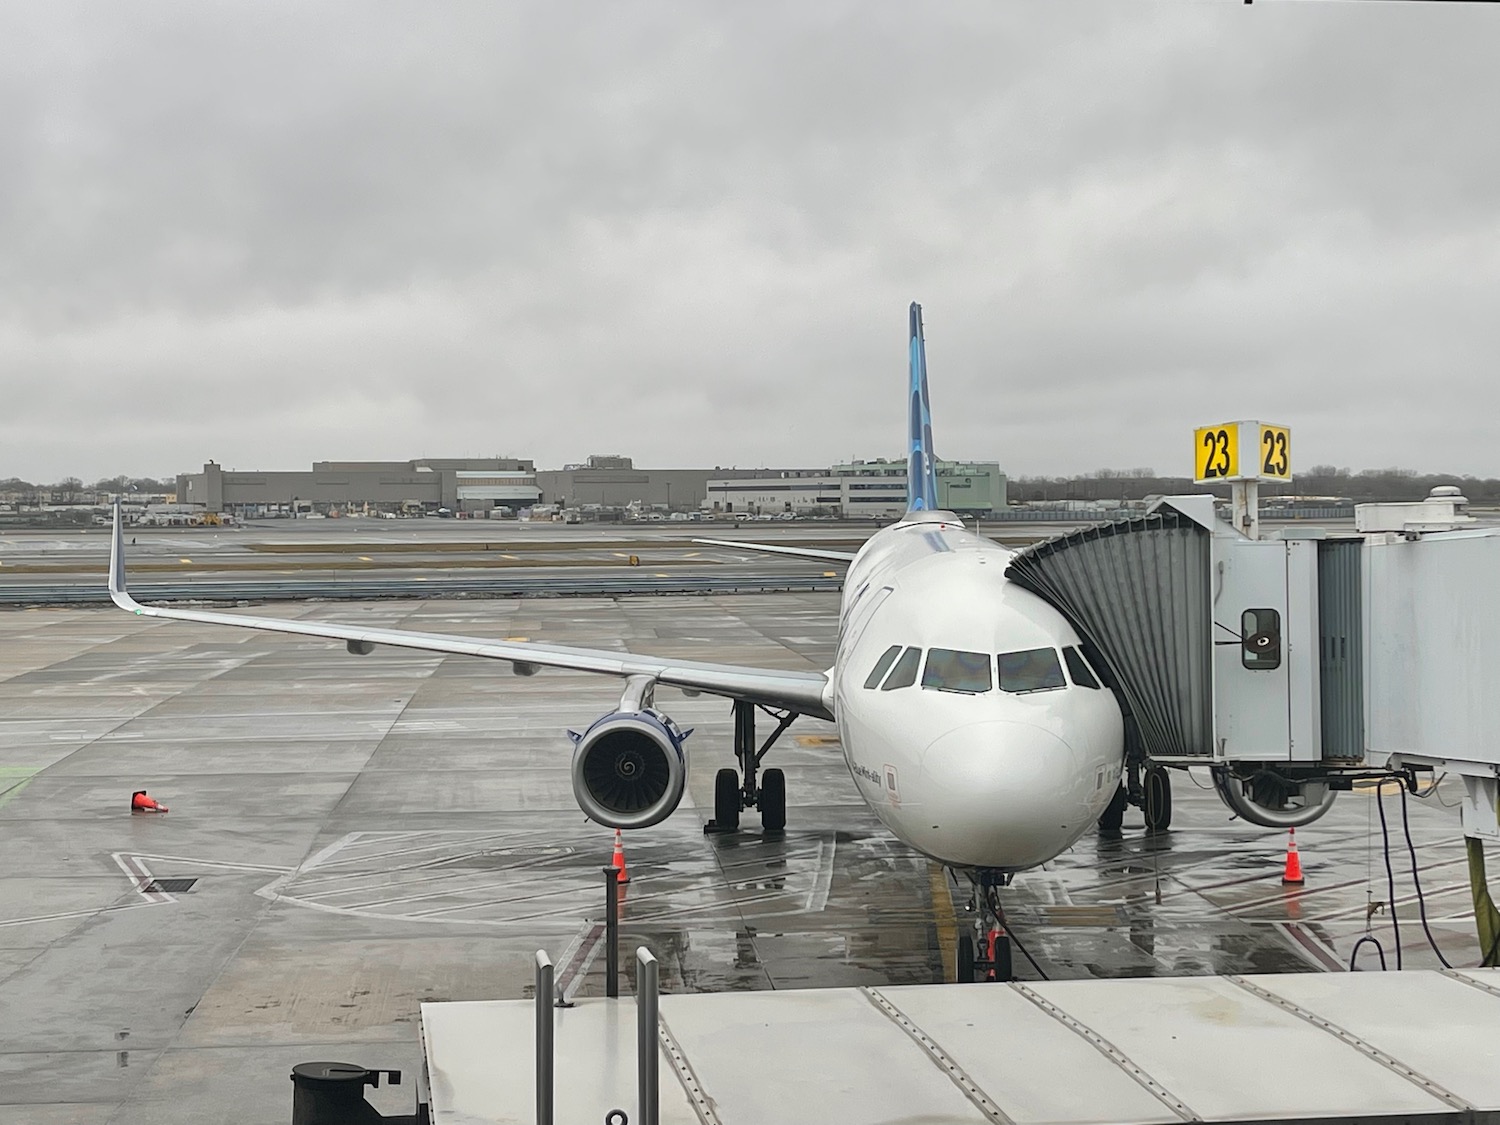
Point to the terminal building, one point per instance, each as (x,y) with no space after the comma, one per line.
(614,482)
(859,490)
(606,486)
(424,485)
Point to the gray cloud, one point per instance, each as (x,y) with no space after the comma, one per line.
(268,233)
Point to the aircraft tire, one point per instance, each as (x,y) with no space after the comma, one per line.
(1004,970)
(773,800)
(965,959)
(1113,816)
(1157,801)
(726,800)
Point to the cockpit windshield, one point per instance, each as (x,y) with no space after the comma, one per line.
(887,658)
(1033,669)
(951,670)
(904,674)
(1078,669)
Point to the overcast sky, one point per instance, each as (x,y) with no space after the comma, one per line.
(268,233)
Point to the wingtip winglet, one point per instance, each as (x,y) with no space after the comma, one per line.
(117,591)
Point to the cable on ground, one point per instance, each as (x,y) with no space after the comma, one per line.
(1011,934)
(1390,875)
(1416,882)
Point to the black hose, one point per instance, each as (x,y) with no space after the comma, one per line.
(1011,934)
(1416,882)
(1354,953)
(1390,876)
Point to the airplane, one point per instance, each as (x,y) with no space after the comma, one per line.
(972,722)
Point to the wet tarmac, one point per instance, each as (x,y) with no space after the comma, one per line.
(365,834)
(420,550)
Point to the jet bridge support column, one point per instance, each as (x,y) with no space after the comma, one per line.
(1486,916)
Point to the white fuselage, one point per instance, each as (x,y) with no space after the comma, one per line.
(999,779)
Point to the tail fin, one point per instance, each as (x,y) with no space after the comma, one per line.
(921,465)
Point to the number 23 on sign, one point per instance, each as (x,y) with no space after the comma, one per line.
(1218,452)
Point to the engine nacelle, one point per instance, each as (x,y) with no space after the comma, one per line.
(629,770)
(1270,797)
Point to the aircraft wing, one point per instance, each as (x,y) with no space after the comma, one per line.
(803,692)
(770,549)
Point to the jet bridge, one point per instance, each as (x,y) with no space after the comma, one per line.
(1289,664)
(1410,1048)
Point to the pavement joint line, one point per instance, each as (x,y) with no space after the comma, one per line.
(1401,900)
(447,891)
(1303,894)
(956,1074)
(1464,978)
(626,899)
(366,857)
(1110,1051)
(1307,945)
(585,950)
(64,915)
(1343,1034)
(703,1105)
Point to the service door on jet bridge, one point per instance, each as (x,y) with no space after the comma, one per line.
(1251,718)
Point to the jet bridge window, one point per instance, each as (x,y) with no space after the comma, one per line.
(1260,636)
(1078,669)
(1033,669)
(950,670)
(887,658)
(904,674)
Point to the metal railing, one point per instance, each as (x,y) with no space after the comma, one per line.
(647,1051)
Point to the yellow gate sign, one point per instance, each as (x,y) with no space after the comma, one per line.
(1275,452)
(1241,451)
(1217,453)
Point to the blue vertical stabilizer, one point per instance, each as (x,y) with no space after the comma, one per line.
(921,462)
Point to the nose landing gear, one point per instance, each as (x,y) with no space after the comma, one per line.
(764,792)
(986,956)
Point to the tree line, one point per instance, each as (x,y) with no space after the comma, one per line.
(108,484)
(1362,486)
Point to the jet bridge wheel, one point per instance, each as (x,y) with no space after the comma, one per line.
(772,800)
(1156,799)
(726,800)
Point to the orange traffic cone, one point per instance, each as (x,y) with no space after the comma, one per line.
(1293,875)
(139,802)
(618,859)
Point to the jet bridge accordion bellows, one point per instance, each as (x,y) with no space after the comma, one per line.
(1139,593)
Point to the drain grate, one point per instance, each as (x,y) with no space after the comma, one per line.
(170,886)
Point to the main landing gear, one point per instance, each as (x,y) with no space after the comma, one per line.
(764,791)
(1150,790)
(986,955)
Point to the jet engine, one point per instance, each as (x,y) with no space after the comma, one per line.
(1271,796)
(629,769)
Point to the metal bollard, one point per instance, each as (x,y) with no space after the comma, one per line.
(647,1016)
(612,932)
(544,1044)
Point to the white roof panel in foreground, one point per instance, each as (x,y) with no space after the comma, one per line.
(1308,1047)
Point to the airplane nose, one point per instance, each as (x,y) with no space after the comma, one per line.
(1013,794)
